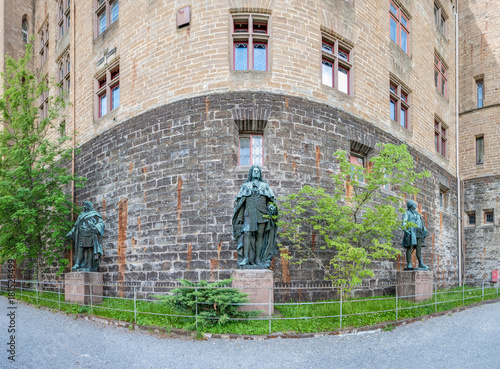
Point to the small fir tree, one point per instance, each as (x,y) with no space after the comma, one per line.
(35,206)
(356,221)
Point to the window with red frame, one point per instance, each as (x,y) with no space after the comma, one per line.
(358,160)
(336,64)
(399,25)
(440,76)
(399,104)
(250,42)
(108,91)
(251,149)
(440,139)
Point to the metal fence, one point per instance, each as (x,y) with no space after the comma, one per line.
(340,312)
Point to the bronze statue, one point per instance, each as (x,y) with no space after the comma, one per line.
(414,235)
(87,234)
(254,232)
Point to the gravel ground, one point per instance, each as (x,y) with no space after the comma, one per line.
(468,339)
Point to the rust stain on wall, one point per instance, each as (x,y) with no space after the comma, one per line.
(294,167)
(286,157)
(284,266)
(138,224)
(104,209)
(133,243)
(441,222)
(214,265)
(399,263)
(122,240)
(313,242)
(349,190)
(179,205)
(189,256)
(131,167)
(318,157)
(425,219)
(286,102)
(419,207)
(219,248)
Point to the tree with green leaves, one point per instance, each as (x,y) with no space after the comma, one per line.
(356,222)
(35,206)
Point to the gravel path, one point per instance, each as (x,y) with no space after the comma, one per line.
(468,339)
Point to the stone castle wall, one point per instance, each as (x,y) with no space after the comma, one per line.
(166,181)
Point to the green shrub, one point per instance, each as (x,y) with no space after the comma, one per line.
(214,303)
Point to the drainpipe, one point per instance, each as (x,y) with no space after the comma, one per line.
(73,104)
(457,143)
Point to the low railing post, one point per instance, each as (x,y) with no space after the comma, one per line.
(482,292)
(22,289)
(59,293)
(396,303)
(196,317)
(135,306)
(341,296)
(91,307)
(435,298)
(37,292)
(463,294)
(270,312)
(497,287)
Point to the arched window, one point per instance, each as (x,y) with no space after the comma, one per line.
(42,41)
(24,28)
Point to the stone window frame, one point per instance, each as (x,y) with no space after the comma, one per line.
(25,29)
(399,16)
(480,149)
(63,72)
(488,214)
(332,49)
(480,93)
(400,95)
(104,8)
(251,146)
(440,18)
(251,38)
(44,43)
(471,215)
(440,75)
(105,82)
(441,137)
(63,18)
(43,105)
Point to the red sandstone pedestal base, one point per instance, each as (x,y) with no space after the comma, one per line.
(258,285)
(77,287)
(414,285)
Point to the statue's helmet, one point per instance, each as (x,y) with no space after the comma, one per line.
(411,205)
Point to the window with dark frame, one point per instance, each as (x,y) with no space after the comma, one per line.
(488,217)
(440,137)
(399,25)
(358,160)
(25,30)
(399,103)
(480,93)
(479,150)
(471,218)
(251,149)
(62,129)
(106,13)
(441,200)
(440,76)
(250,35)
(336,64)
(440,18)
(108,91)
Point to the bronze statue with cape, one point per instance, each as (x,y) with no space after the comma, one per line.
(254,228)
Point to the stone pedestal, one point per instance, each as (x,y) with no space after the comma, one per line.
(77,287)
(414,285)
(258,284)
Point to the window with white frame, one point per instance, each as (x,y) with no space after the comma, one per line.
(251,149)
(336,64)
(25,30)
(250,47)
(108,90)
(106,13)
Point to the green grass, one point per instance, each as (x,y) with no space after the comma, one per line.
(314,317)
